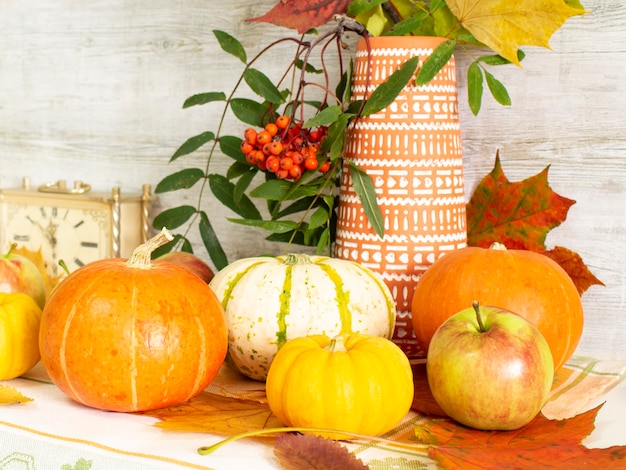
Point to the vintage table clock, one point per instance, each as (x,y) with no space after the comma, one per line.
(73,224)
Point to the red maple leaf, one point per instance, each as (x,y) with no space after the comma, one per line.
(543,443)
(519,215)
(303,15)
(574,266)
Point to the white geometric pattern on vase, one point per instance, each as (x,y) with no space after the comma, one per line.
(412,152)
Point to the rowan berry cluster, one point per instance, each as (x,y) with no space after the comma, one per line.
(285,148)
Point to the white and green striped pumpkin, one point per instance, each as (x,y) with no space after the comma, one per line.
(270,300)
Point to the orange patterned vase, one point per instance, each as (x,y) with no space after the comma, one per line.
(412,152)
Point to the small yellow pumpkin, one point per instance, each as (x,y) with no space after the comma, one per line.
(20,317)
(355,383)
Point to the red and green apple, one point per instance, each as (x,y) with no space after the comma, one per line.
(19,274)
(489,368)
(189,261)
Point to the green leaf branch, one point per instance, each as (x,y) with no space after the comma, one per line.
(299,211)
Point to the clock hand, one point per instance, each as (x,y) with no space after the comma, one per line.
(50,233)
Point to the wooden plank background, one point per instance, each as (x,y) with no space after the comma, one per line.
(94,91)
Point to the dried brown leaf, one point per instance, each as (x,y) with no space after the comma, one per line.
(307,452)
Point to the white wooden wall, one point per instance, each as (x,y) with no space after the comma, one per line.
(94,91)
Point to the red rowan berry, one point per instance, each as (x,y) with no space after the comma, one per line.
(272,128)
(286,163)
(272,164)
(295,172)
(311,163)
(282,122)
(263,138)
(276,147)
(246,147)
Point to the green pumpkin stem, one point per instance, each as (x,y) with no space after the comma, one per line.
(141,257)
(297,258)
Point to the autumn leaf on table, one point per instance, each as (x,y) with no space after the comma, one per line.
(303,15)
(307,452)
(541,444)
(10,396)
(505,26)
(217,415)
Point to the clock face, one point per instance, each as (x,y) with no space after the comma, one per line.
(75,235)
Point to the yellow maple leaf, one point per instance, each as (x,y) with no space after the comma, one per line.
(505,25)
(216,414)
(9,396)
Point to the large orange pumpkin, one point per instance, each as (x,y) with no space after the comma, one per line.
(525,282)
(132,335)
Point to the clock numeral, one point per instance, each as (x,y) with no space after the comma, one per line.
(21,238)
(89,244)
(43,211)
(54,211)
(79,224)
(78,262)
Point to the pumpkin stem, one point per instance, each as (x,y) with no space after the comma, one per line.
(337,344)
(297,258)
(479,319)
(498,246)
(142,255)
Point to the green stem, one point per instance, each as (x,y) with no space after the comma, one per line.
(481,325)
(205,450)
(297,258)
(7,255)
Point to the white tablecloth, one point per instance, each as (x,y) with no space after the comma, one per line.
(52,432)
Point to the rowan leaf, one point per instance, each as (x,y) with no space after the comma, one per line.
(519,214)
(215,414)
(542,443)
(307,452)
(505,26)
(573,264)
(302,15)
(364,188)
(10,396)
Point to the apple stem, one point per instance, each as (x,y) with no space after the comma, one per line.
(481,325)
(11,248)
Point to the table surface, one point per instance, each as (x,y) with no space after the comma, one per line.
(53,432)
